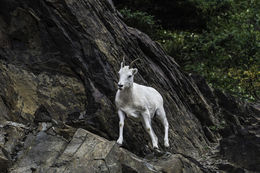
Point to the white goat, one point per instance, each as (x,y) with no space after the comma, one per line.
(139,101)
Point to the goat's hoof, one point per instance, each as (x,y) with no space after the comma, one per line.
(155,147)
(119,141)
(166,144)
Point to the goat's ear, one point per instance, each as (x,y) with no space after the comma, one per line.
(135,70)
(122,64)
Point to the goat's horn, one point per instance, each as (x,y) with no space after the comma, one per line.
(123,62)
(132,63)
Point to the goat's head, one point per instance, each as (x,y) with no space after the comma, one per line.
(126,75)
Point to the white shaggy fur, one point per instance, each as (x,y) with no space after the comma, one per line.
(138,101)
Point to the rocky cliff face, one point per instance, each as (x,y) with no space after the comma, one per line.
(58,73)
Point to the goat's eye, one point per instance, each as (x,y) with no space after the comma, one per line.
(129,76)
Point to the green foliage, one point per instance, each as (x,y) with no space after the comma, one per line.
(177,14)
(226,51)
(141,20)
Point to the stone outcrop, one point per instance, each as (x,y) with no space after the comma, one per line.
(58,72)
(87,152)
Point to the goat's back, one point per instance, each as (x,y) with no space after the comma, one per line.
(147,96)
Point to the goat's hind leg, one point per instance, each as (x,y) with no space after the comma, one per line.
(148,127)
(162,117)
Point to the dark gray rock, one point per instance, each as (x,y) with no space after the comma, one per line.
(88,152)
(5,160)
(243,148)
(39,152)
(42,115)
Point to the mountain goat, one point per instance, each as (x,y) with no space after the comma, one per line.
(139,101)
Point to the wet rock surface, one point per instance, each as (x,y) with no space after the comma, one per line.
(58,72)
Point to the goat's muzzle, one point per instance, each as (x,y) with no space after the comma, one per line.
(120,87)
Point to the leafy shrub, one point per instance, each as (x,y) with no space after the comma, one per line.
(227,51)
(141,20)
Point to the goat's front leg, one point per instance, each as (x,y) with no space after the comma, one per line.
(121,115)
(148,126)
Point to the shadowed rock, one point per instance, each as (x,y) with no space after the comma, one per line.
(42,115)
